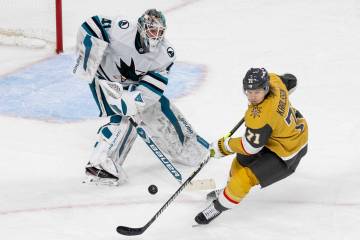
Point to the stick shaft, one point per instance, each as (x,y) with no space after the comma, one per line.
(137,231)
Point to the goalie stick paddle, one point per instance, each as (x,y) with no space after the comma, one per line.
(129,231)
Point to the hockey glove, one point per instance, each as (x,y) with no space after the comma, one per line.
(290,81)
(220,148)
(122,102)
(129,103)
(89,53)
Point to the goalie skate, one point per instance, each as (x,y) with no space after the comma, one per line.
(101,177)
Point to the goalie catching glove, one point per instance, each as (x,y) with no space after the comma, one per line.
(123,102)
(220,148)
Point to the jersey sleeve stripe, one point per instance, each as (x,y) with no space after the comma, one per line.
(158,76)
(248,148)
(94,27)
(151,87)
(88,29)
(154,82)
(242,145)
(104,34)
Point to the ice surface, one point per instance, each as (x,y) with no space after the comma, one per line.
(41,194)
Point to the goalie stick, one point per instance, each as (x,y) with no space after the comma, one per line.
(114,91)
(128,231)
(200,184)
(158,153)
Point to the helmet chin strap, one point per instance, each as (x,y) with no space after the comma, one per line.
(144,45)
(267,90)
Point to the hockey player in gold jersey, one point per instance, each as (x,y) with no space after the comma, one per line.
(272,146)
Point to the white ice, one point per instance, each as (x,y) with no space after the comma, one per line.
(41,194)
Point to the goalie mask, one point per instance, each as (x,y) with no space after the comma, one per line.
(151,26)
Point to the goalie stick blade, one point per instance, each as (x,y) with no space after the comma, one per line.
(128,231)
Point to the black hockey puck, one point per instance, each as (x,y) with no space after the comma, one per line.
(152,189)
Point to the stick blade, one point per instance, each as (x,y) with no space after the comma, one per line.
(128,231)
(201,184)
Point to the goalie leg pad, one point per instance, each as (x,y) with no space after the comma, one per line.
(115,140)
(173,134)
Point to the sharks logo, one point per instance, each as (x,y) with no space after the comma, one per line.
(128,72)
(124,24)
(170,52)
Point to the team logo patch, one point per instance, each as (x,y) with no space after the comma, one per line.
(255,111)
(123,24)
(138,98)
(170,51)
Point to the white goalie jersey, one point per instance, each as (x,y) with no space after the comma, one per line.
(110,56)
(110,50)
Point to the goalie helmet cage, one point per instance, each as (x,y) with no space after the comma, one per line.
(32,24)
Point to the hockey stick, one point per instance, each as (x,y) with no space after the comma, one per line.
(128,231)
(151,144)
(115,92)
(201,184)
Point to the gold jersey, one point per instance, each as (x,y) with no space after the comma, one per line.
(273,124)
